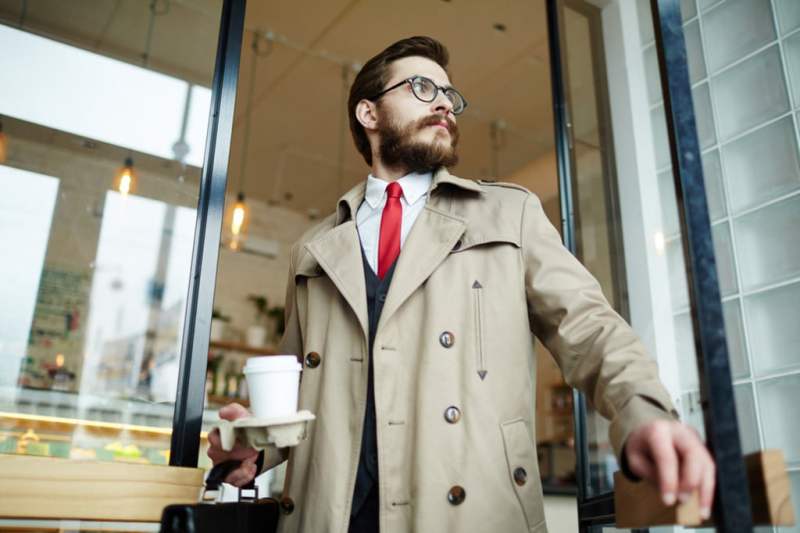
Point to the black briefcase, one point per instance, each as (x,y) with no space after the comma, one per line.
(250,514)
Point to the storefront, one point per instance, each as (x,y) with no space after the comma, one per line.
(137,283)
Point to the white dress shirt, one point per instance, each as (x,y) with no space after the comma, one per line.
(368,217)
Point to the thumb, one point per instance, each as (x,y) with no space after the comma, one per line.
(232,411)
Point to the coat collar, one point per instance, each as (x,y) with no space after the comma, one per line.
(435,232)
(348,204)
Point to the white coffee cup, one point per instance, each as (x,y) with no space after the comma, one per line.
(273,383)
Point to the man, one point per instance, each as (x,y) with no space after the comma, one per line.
(419,365)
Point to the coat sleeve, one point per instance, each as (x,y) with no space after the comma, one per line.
(290,343)
(597,351)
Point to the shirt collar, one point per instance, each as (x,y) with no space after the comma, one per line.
(415,185)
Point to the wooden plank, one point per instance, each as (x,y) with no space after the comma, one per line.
(638,504)
(47,487)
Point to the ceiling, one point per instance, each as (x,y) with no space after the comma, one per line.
(300,153)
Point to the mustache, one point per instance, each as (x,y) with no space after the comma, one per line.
(436,119)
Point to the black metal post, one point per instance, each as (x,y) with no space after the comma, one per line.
(188,418)
(732,498)
(564,165)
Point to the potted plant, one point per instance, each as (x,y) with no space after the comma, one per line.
(218,324)
(277,323)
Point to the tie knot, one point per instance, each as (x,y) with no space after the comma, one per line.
(394,190)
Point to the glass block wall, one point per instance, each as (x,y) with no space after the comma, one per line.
(744,65)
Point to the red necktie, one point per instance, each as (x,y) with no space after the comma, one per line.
(391,223)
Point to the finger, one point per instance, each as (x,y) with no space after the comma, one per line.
(693,456)
(242,475)
(666,462)
(641,465)
(232,411)
(214,438)
(707,485)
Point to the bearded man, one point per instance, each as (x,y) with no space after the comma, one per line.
(412,308)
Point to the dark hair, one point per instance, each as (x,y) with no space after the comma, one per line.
(374,75)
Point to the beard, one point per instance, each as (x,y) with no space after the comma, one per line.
(397,149)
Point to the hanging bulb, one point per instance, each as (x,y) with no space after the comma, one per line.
(240,215)
(125,179)
(3,145)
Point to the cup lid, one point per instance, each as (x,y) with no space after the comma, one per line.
(272,363)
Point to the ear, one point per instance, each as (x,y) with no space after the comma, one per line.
(367,114)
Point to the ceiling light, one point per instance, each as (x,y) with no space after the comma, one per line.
(125,180)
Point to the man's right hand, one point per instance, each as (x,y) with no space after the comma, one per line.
(248,456)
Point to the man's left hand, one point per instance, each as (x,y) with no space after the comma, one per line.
(671,455)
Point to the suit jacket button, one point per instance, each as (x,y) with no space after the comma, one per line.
(520,476)
(313,360)
(456,495)
(447,339)
(287,505)
(452,414)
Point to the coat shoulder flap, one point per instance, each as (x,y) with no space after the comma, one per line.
(493,216)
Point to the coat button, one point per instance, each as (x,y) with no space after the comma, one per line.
(287,505)
(313,360)
(452,414)
(456,495)
(447,339)
(520,476)
(457,245)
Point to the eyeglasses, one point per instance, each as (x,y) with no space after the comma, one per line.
(426,91)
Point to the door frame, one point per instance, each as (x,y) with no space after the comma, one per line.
(732,502)
(190,400)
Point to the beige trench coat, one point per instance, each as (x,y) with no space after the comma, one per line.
(484,264)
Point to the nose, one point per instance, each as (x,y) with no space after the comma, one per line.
(443,105)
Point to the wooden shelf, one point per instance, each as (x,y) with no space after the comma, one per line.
(215,400)
(242,348)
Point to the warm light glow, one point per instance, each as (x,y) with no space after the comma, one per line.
(125,183)
(59,360)
(125,180)
(238,219)
(658,240)
(92,423)
(3,147)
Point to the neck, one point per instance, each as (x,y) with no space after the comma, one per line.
(387,173)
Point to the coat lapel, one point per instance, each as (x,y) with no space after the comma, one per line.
(338,252)
(428,244)
(430,241)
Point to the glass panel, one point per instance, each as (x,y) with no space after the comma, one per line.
(795,479)
(746,417)
(706,4)
(94,299)
(774,397)
(694,50)
(704,116)
(726,270)
(764,260)
(669,206)
(791,49)
(734,29)
(788,15)
(772,319)
(651,71)
(679,291)
(646,34)
(715,195)
(660,140)
(762,165)
(692,411)
(750,93)
(687,355)
(688,9)
(734,330)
